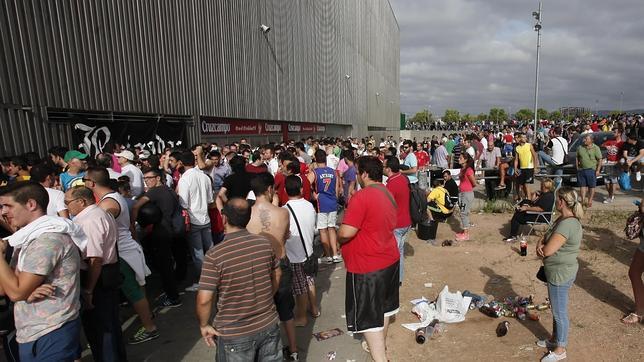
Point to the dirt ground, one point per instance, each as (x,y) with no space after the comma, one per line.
(486,265)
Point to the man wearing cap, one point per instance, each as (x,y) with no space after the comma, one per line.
(76,166)
(134,173)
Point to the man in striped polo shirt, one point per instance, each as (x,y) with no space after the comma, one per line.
(245,325)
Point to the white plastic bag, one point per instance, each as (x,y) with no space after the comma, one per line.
(425,311)
(452,307)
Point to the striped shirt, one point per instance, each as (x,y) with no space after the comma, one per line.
(239,271)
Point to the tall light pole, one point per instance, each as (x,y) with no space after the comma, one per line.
(537,28)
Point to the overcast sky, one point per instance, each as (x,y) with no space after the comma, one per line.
(474,55)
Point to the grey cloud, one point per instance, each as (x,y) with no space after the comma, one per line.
(474,55)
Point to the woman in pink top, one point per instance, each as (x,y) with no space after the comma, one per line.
(466,193)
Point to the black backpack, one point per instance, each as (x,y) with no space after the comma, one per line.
(417,204)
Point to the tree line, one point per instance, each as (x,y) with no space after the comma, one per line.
(495,115)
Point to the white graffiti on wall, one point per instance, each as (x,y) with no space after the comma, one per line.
(93,143)
(95,139)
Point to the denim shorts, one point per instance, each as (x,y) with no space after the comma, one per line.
(587,178)
(261,346)
(61,344)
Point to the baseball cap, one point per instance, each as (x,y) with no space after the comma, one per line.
(128,155)
(70,155)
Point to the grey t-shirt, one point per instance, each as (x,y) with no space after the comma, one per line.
(440,156)
(562,265)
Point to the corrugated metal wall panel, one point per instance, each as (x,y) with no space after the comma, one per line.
(199,57)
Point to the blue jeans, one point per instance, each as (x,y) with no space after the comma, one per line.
(558,295)
(546,159)
(61,344)
(401,236)
(262,346)
(200,240)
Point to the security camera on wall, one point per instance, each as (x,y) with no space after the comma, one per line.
(265,28)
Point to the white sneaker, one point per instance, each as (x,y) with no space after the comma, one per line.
(337,259)
(638,176)
(609,200)
(552,357)
(326,260)
(192,288)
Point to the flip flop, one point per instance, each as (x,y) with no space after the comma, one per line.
(319,313)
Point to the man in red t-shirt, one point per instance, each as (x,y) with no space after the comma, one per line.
(398,186)
(422,156)
(612,168)
(371,257)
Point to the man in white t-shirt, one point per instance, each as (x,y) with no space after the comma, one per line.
(268,155)
(559,147)
(134,173)
(196,196)
(303,285)
(44,175)
(332,160)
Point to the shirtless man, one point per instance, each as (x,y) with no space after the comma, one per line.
(273,221)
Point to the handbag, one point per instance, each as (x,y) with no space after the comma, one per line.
(310,264)
(541,274)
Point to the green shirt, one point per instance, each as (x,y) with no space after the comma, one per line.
(562,265)
(449,145)
(588,158)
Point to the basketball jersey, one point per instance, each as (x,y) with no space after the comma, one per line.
(524,152)
(325,185)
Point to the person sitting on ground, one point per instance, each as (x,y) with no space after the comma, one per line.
(438,202)
(542,201)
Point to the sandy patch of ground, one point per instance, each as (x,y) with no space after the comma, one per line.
(600,296)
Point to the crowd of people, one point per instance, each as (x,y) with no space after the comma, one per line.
(236,224)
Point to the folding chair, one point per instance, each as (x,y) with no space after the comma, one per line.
(543,217)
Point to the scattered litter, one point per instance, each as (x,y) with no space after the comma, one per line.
(449,308)
(344,316)
(447,243)
(331,355)
(324,335)
(514,307)
(429,285)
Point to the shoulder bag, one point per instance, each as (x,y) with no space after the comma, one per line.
(311,263)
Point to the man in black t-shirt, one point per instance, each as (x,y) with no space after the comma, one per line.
(236,185)
(161,241)
(634,154)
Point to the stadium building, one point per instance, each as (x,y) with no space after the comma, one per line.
(160,72)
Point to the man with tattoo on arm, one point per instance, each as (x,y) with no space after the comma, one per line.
(273,222)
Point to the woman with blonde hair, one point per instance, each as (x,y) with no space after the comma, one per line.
(559,250)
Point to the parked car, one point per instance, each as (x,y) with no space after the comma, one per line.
(599,138)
